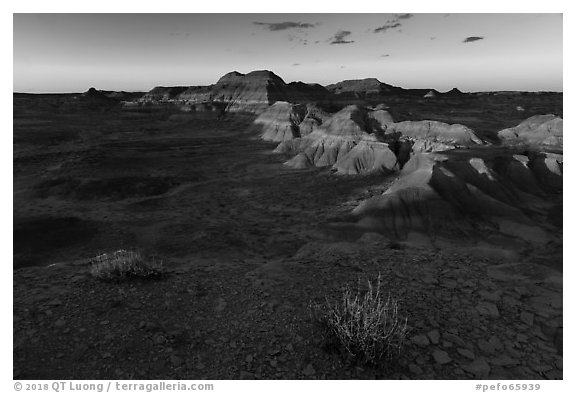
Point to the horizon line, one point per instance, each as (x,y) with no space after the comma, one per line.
(414,88)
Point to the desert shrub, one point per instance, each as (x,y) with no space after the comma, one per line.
(366,325)
(123,264)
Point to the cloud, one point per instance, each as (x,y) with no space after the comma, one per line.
(404,16)
(339,37)
(389,25)
(472,39)
(285,25)
(393,23)
(432,38)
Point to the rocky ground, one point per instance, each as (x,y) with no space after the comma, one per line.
(468,318)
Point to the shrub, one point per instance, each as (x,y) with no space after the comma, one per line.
(366,326)
(124,264)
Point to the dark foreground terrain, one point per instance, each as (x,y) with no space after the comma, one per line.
(246,251)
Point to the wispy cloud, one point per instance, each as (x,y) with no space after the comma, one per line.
(389,25)
(284,25)
(393,23)
(472,39)
(339,37)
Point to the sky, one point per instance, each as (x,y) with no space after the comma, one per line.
(135,52)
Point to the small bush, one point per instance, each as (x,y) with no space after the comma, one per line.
(366,326)
(124,264)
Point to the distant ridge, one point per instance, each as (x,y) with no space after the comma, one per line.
(255,91)
(236,92)
(362,86)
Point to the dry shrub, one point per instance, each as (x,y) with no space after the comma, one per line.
(123,264)
(365,325)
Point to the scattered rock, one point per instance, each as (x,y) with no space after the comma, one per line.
(486,347)
(309,370)
(220,305)
(504,361)
(527,318)
(559,340)
(496,343)
(447,344)
(466,353)
(454,339)
(148,326)
(177,361)
(420,340)
(558,363)
(434,336)
(479,368)
(490,296)
(521,338)
(541,368)
(414,369)
(488,309)
(554,374)
(429,279)
(246,375)
(509,301)
(79,352)
(159,339)
(441,357)
(60,323)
